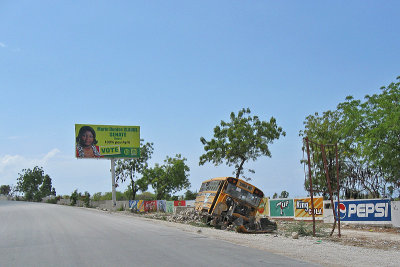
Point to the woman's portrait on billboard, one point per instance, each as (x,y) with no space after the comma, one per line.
(86,143)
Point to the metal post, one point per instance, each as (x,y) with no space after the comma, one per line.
(114,198)
(311,188)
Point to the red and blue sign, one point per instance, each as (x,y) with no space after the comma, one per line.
(364,210)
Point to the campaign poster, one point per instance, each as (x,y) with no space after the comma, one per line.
(364,210)
(140,206)
(150,205)
(180,203)
(281,208)
(161,205)
(263,208)
(170,206)
(133,204)
(303,208)
(107,141)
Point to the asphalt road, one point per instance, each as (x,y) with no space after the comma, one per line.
(37,234)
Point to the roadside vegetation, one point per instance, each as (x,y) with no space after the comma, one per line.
(368,136)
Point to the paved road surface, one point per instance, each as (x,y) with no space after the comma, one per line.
(37,234)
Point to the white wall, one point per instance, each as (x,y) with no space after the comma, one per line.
(395,213)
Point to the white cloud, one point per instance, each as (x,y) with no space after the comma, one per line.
(2,44)
(8,161)
(11,165)
(50,155)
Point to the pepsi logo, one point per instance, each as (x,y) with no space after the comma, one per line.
(342,210)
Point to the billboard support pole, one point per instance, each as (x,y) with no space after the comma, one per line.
(114,199)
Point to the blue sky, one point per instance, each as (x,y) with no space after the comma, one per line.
(176,69)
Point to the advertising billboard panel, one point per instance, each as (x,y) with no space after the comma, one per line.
(107,141)
(281,208)
(263,208)
(303,208)
(364,210)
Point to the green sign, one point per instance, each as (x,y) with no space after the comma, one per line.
(281,207)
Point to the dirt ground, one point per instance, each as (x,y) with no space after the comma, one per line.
(385,238)
(358,246)
(378,237)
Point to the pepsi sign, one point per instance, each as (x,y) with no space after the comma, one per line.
(364,210)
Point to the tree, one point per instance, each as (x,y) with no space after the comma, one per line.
(168,178)
(46,187)
(369,152)
(86,199)
(34,184)
(322,129)
(129,168)
(5,190)
(284,194)
(74,197)
(96,196)
(146,196)
(275,195)
(242,139)
(189,195)
(377,130)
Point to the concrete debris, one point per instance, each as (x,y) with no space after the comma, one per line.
(186,216)
(295,235)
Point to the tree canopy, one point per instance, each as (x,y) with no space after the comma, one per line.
(368,132)
(130,168)
(34,184)
(241,139)
(5,189)
(168,178)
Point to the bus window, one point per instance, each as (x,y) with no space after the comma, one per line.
(241,194)
(210,186)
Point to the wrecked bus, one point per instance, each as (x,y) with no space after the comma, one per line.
(228,200)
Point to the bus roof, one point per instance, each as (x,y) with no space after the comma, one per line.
(216,179)
(225,178)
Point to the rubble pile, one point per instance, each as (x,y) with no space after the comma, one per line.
(188,216)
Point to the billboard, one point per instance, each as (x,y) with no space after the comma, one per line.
(281,208)
(364,210)
(303,210)
(263,208)
(107,141)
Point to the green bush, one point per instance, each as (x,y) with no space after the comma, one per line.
(86,199)
(74,197)
(305,229)
(52,201)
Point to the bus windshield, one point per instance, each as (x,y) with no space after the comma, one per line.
(210,186)
(242,194)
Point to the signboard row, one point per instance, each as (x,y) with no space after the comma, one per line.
(158,205)
(349,210)
(299,208)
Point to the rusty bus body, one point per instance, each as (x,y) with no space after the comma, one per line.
(228,200)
